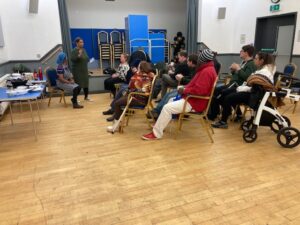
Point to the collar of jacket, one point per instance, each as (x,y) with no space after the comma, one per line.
(205,65)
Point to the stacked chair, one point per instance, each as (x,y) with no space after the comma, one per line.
(105,52)
(117,45)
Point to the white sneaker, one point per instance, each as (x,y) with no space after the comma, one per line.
(88,99)
(113,128)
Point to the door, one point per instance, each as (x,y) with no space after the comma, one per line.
(284,45)
(275,34)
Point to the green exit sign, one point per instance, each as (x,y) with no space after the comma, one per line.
(275,8)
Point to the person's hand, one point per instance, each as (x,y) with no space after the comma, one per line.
(115,75)
(235,67)
(179,77)
(80,52)
(180,90)
(134,69)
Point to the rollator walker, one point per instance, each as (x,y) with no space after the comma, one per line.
(267,115)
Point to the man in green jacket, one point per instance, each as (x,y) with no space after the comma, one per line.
(240,74)
(80,61)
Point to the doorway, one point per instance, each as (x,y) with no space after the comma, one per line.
(275,34)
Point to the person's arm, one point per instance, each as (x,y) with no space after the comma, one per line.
(75,55)
(201,86)
(245,72)
(62,79)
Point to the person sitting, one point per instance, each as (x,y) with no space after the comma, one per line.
(121,91)
(240,73)
(184,80)
(169,80)
(266,70)
(65,79)
(140,82)
(201,84)
(119,76)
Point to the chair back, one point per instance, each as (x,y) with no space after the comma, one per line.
(51,75)
(149,102)
(290,69)
(115,37)
(102,38)
(210,98)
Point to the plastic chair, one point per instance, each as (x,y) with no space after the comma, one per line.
(202,115)
(52,88)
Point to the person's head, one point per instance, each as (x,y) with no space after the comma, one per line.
(144,67)
(62,59)
(192,60)
(182,56)
(79,42)
(179,34)
(205,56)
(261,59)
(123,58)
(247,51)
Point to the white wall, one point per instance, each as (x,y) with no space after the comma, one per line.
(224,35)
(162,14)
(26,35)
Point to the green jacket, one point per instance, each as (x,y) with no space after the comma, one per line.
(242,75)
(80,68)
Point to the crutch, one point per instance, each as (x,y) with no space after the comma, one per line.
(117,123)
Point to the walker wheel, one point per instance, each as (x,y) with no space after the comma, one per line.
(246,125)
(250,136)
(288,137)
(275,126)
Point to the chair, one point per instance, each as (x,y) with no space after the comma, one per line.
(202,115)
(105,52)
(52,88)
(132,109)
(288,71)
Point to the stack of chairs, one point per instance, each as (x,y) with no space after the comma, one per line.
(117,45)
(105,52)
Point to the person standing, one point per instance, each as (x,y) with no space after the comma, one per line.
(80,61)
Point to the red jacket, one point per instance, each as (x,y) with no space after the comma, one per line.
(201,84)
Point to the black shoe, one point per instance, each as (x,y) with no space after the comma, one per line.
(220,124)
(110,119)
(154,114)
(77,106)
(108,112)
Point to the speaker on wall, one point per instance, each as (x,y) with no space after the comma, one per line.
(33,6)
(221,13)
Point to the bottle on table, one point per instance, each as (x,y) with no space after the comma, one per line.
(40,74)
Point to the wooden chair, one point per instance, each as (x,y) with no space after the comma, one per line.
(133,109)
(51,84)
(202,115)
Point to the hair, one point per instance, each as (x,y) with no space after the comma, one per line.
(77,40)
(179,34)
(268,58)
(145,67)
(183,53)
(126,56)
(193,58)
(249,49)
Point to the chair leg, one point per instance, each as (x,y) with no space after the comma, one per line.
(179,124)
(63,97)
(205,126)
(50,96)
(295,105)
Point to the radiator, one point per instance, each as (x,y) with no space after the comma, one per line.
(3,105)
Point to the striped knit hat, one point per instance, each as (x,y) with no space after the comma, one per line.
(206,55)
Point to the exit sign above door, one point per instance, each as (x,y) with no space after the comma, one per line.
(275,8)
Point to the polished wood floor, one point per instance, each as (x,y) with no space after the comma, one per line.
(77,173)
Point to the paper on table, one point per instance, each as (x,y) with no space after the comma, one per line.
(92,60)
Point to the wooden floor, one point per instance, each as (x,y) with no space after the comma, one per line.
(77,173)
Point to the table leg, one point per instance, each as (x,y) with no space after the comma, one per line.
(38,108)
(11,117)
(32,118)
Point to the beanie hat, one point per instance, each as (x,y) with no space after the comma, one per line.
(206,55)
(61,58)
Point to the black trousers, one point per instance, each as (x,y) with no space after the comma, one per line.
(231,101)
(219,95)
(109,84)
(76,92)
